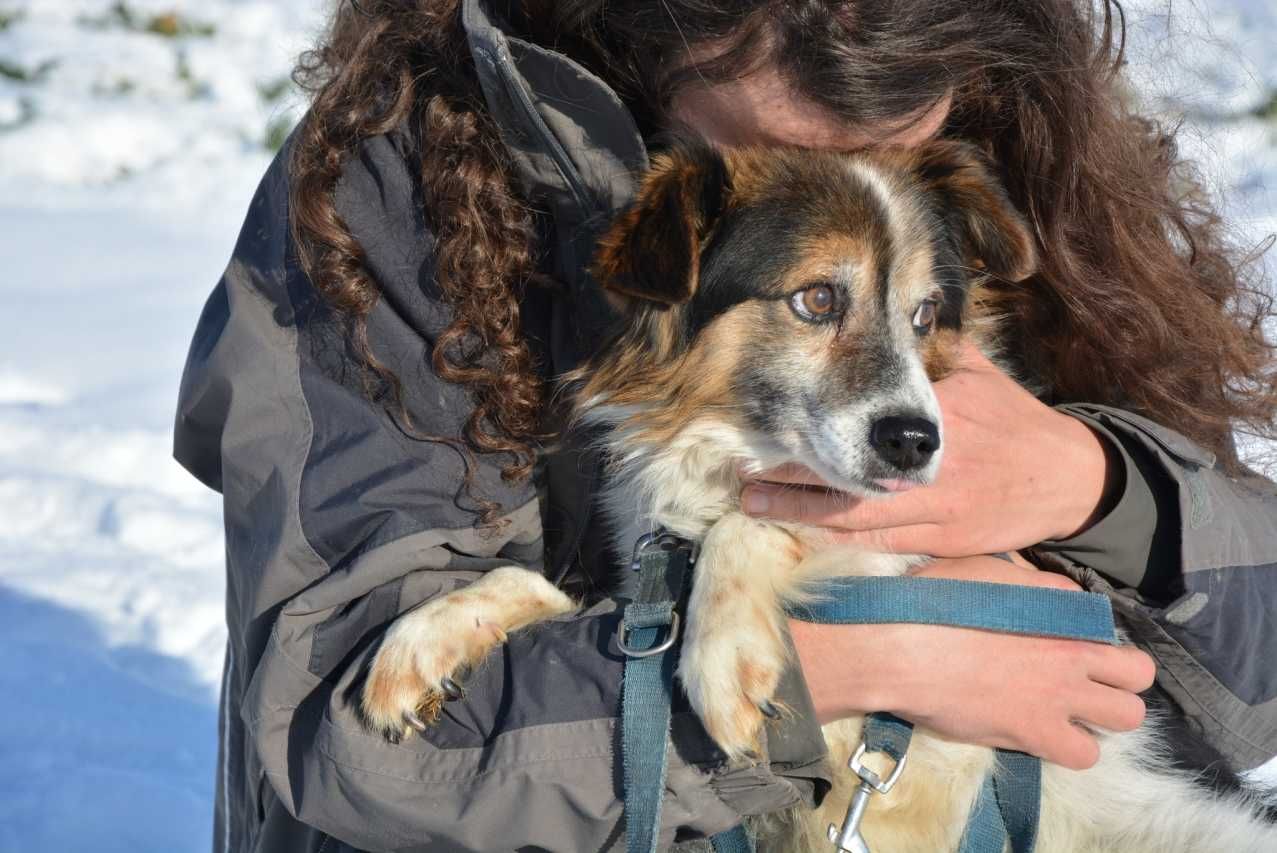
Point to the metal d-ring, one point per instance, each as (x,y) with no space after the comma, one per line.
(663,646)
(870,777)
(660,538)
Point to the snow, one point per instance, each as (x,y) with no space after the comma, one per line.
(126,161)
(125,168)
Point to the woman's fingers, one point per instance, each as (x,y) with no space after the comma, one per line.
(996,570)
(1110,709)
(908,539)
(1124,667)
(1067,745)
(791,473)
(826,508)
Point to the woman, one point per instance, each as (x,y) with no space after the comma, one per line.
(369,387)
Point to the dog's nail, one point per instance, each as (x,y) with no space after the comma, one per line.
(414,722)
(756,501)
(769,710)
(451,689)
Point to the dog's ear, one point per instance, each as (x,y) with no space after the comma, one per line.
(994,235)
(652,250)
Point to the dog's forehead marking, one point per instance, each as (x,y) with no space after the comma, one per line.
(884,194)
(911,262)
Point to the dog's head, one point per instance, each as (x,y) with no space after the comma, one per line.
(801,301)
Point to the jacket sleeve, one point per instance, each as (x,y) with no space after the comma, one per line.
(338,518)
(1189,556)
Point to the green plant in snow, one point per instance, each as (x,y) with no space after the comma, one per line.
(9,17)
(195,88)
(1267,110)
(272,91)
(277,130)
(117,88)
(118,14)
(21,74)
(166,24)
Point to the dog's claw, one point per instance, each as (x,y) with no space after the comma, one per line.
(414,722)
(452,691)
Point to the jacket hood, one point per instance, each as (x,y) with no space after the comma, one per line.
(575,145)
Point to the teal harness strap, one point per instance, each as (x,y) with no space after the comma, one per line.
(732,841)
(962,604)
(649,640)
(1017,791)
(887,733)
(649,631)
(1006,810)
(1007,807)
(986,831)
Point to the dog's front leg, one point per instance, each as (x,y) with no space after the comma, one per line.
(436,639)
(735,648)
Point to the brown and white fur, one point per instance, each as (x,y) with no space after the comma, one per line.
(722,368)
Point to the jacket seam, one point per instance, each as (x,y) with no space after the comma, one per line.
(444,539)
(447,780)
(296,376)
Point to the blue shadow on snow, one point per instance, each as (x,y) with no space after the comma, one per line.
(100,749)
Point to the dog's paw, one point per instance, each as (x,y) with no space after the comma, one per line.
(424,652)
(416,667)
(730,672)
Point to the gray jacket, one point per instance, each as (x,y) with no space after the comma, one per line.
(337,520)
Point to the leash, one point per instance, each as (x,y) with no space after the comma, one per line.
(1007,807)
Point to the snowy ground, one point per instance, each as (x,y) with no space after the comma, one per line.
(131,137)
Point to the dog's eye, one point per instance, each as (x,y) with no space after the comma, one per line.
(814,303)
(924,319)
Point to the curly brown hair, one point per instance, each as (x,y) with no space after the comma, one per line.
(389,65)
(1140,301)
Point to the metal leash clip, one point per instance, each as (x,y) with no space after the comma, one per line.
(849,839)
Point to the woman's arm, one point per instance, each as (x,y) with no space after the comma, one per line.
(982,687)
(338,520)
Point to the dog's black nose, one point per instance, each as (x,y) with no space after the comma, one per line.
(906,443)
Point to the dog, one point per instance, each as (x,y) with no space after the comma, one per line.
(786,306)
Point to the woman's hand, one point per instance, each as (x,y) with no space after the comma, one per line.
(980,687)
(1015,472)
